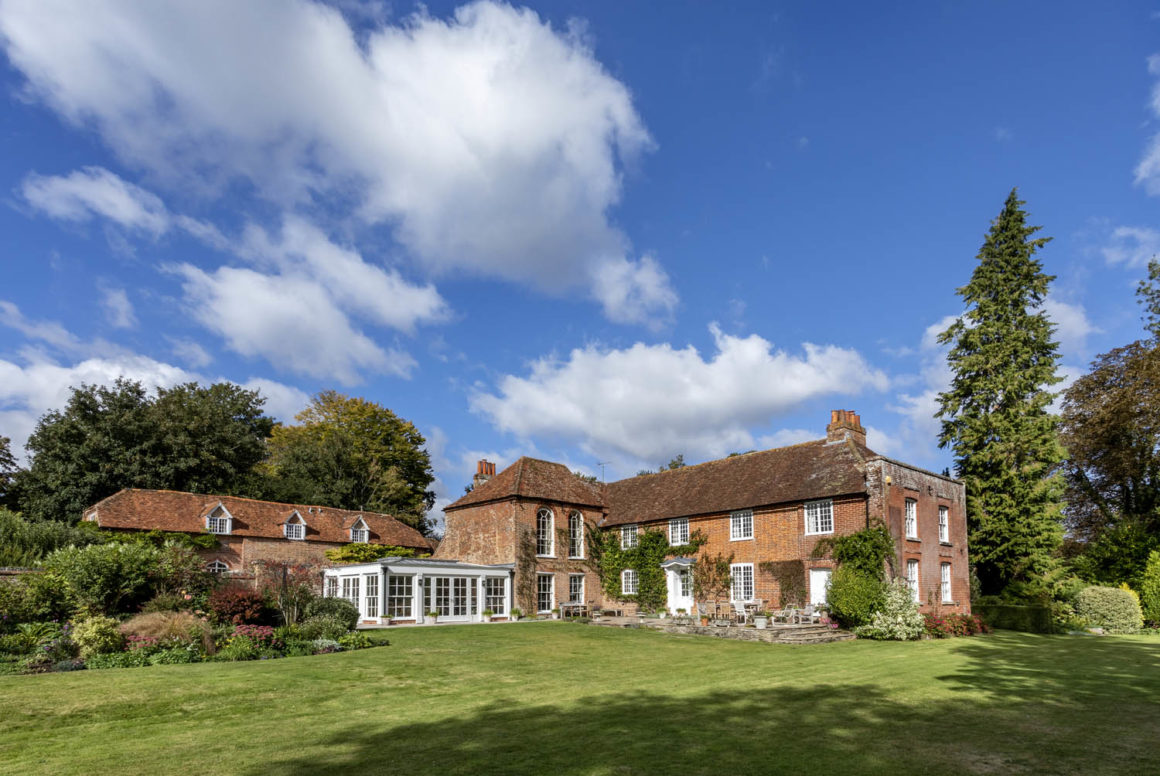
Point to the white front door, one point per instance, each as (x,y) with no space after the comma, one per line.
(680,581)
(819,585)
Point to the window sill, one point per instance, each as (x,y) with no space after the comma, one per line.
(945,544)
(914,539)
(819,533)
(551,557)
(741,539)
(574,557)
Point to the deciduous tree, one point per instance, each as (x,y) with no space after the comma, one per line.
(995,413)
(351,453)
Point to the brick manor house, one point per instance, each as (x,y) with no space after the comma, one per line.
(518,539)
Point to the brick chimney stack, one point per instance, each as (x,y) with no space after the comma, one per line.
(843,424)
(484,471)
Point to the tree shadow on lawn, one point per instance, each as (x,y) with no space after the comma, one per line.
(825,728)
(1084,669)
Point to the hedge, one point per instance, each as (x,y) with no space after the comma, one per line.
(1029,619)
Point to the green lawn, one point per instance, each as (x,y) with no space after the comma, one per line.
(560,699)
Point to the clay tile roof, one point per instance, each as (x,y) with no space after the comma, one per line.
(801,472)
(534,479)
(170,510)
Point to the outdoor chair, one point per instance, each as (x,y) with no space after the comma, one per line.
(740,613)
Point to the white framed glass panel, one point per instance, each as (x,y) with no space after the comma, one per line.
(545,589)
(332,587)
(295,531)
(218,522)
(359,535)
(545,542)
(576,588)
(946,583)
(944,527)
(679,531)
(400,595)
(217,567)
(350,589)
(741,525)
(371,601)
(627,537)
(911,519)
(576,535)
(686,580)
(494,599)
(912,578)
(819,517)
(628,582)
(742,587)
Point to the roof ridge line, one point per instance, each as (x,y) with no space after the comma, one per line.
(718,460)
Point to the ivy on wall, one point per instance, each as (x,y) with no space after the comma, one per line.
(652,548)
(869,551)
(790,576)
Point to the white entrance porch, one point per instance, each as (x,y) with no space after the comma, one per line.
(679,579)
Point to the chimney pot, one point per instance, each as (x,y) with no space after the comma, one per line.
(845,424)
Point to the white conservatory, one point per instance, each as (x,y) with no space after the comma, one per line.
(405,590)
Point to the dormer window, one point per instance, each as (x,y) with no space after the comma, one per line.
(218,521)
(359,533)
(295,527)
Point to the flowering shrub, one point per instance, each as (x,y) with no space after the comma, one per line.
(263,636)
(237,605)
(948,625)
(142,644)
(898,619)
(326,646)
(323,627)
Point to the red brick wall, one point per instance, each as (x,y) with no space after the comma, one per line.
(559,565)
(929,491)
(480,534)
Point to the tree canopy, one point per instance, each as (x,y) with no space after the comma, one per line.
(995,413)
(351,453)
(8,470)
(1111,428)
(192,438)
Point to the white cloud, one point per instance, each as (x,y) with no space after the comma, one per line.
(283,401)
(1148,170)
(491,143)
(787,436)
(380,295)
(288,320)
(118,309)
(96,191)
(648,401)
(37,382)
(634,291)
(1132,246)
(1072,326)
(191,353)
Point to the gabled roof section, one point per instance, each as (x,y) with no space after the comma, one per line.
(532,478)
(170,510)
(810,470)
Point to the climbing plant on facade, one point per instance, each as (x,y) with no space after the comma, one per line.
(651,549)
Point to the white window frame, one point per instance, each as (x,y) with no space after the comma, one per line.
(629,582)
(360,535)
(628,536)
(495,595)
(576,535)
(400,596)
(549,536)
(294,528)
(945,580)
(911,520)
(571,580)
(551,592)
(331,587)
(912,578)
(217,566)
(819,517)
(738,521)
(678,531)
(741,573)
(350,586)
(219,521)
(944,524)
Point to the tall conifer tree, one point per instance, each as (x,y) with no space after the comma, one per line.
(995,414)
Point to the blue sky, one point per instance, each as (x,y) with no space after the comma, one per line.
(593,232)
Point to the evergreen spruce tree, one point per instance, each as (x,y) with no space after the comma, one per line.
(995,414)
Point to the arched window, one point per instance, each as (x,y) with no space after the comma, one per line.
(576,535)
(545,527)
(217,567)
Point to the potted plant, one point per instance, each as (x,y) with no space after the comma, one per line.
(516,614)
(555,614)
(434,615)
(761,620)
(487,615)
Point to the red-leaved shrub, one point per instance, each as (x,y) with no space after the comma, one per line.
(237,605)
